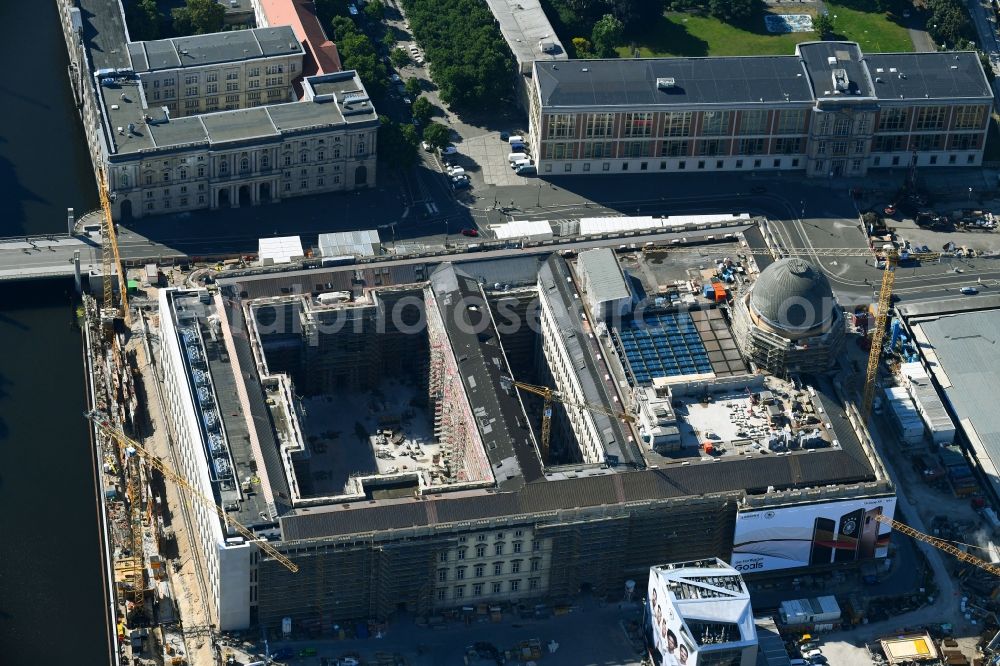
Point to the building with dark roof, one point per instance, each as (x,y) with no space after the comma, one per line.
(212,121)
(789,322)
(318,382)
(828,110)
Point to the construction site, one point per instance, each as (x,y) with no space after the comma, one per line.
(300,451)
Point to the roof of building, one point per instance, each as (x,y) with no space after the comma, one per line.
(321,54)
(791,294)
(696,82)
(499,413)
(942,75)
(343,243)
(279,250)
(213,48)
(525,27)
(104,34)
(553,281)
(602,275)
(748,80)
(771,650)
(961,349)
(830,64)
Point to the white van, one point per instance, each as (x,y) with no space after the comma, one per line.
(515,139)
(516,157)
(520,163)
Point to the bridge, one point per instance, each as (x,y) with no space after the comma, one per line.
(43,257)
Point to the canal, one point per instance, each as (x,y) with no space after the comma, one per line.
(51,600)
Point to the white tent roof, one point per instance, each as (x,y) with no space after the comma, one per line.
(280,250)
(524,229)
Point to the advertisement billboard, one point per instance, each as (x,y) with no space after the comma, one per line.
(811,534)
(671,644)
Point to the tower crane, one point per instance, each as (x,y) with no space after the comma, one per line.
(110,258)
(104,425)
(549,394)
(940,544)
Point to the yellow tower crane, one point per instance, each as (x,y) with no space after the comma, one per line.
(549,394)
(940,544)
(110,259)
(104,425)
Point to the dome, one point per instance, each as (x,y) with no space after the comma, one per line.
(792,296)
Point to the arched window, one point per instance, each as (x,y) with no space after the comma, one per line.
(336,153)
(244,164)
(124,180)
(184,174)
(303,157)
(361,148)
(320,155)
(265,161)
(223,167)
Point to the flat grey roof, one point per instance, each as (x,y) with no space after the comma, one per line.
(239,125)
(697,81)
(340,243)
(104,33)
(179,132)
(966,365)
(523,24)
(847,56)
(213,49)
(944,75)
(604,277)
(802,77)
(476,344)
(553,280)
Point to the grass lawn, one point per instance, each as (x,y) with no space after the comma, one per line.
(682,34)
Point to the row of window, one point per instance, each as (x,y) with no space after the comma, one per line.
(478,590)
(681,165)
(924,142)
(479,570)
(244,166)
(707,147)
(480,550)
(790,121)
(677,123)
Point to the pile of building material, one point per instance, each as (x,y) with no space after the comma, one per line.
(906,419)
(928,403)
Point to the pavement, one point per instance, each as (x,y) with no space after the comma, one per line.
(591,634)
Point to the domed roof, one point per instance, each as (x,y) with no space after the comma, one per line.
(792,295)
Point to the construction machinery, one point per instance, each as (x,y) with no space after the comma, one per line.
(940,544)
(549,394)
(110,258)
(137,450)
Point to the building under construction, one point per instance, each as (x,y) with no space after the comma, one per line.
(367,421)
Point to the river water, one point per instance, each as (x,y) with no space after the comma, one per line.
(51,599)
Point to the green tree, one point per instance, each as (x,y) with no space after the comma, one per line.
(987,67)
(399,58)
(608,33)
(437,135)
(823,26)
(375,11)
(143,19)
(583,47)
(396,145)
(422,110)
(735,11)
(327,9)
(412,86)
(342,28)
(198,17)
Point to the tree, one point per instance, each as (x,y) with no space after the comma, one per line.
(608,32)
(342,28)
(143,19)
(422,110)
(396,145)
(735,11)
(823,26)
(327,9)
(375,11)
(987,66)
(437,135)
(583,47)
(198,17)
(399,58)
(412,86)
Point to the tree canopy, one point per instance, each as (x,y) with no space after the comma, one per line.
(357,52)
(949,23)
(397,144)
(608,33)
(469,60)
(422,110)
(198,17)
(143,19)
(823,26)
(437,135)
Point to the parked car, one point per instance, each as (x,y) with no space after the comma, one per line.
(515,139)
(504,136)
(518,148)
(969,291)
(407,101)
(470,232)
(461,184)
(456,171)
(809,654)
(395,78)
(526,170)
(449,150)
(426,146)
(520,163)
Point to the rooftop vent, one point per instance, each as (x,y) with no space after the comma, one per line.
(585,70)
(666,83)
(831,61)
(840,81)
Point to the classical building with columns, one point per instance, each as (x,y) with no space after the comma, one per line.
(829,110)
(213,121)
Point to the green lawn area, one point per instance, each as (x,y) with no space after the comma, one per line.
(682,34)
